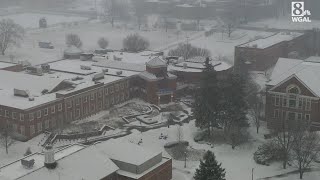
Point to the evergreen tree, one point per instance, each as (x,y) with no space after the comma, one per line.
(235,106)
(206,109)
(210,169)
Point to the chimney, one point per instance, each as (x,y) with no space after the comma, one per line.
(49,161)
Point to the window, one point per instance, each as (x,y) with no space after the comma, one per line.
(77,101)
(39,127)
(22,130)
(69,104)
(85,99)
(53,123)
(284,113)
(117,98)
(100,105)
(21,117)
(300,103)
(117,87)
(31,116)
(53,109)
(292,101)
(15,127)
(92,108)
(121,85)
(277,100)
(299,116)
(77,113)
(46,111)
(60,107)
(32,130)
(291,116)
(99,94)
(308,105)
(307,117)
(111,89)
(112,100)
(284,101)
(39,114)
(127,84)
(14,115)
(46,124)
(106,91)
(276,113)
(1,112)
(6,113)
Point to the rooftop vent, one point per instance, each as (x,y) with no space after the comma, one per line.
(98,76)
(105,70)
(49,161)
(255,45)
(85,67)
(28,164)
(31,98)
(119,73)
(21,93)
(77,78)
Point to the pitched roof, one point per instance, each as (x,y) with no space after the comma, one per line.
(156,62)
(307,72)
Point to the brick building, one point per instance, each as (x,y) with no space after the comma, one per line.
(157,85)
(75,89)
(262,54)
(293,92)
(109,160)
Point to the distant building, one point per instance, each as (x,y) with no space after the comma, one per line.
(263,53)
(293,92)
(191,70)
(110,160)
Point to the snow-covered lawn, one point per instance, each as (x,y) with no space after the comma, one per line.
(285,23)
(31,20)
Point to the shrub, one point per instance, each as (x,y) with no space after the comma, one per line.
(267,153)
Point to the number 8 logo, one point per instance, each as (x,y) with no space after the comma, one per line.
(297,8)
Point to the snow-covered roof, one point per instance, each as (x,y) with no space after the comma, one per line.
(15,170)
(6,64)
(126,152)
(121,65)
(88,163)
(156,62)
(306,71)
(198,67)
(271,40)
(197,59)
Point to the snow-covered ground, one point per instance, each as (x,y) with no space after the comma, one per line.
(31,20)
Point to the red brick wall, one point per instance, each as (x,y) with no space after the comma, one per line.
(276,123)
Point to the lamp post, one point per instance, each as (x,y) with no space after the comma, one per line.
(252,173)
(185,159)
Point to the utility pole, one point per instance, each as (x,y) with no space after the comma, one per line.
(252,173)
(185,159)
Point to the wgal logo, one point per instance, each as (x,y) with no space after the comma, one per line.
(298,13)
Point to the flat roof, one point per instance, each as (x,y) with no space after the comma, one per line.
(15,169)
(276,38)
(198,67)
(126,152)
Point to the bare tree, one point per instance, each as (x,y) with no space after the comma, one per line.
(73,40)
(5,139)
(10,34)
(254,99)
(284,141)
(187,51)
(305,147)
(135,43)
(103,43)
(115,9)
